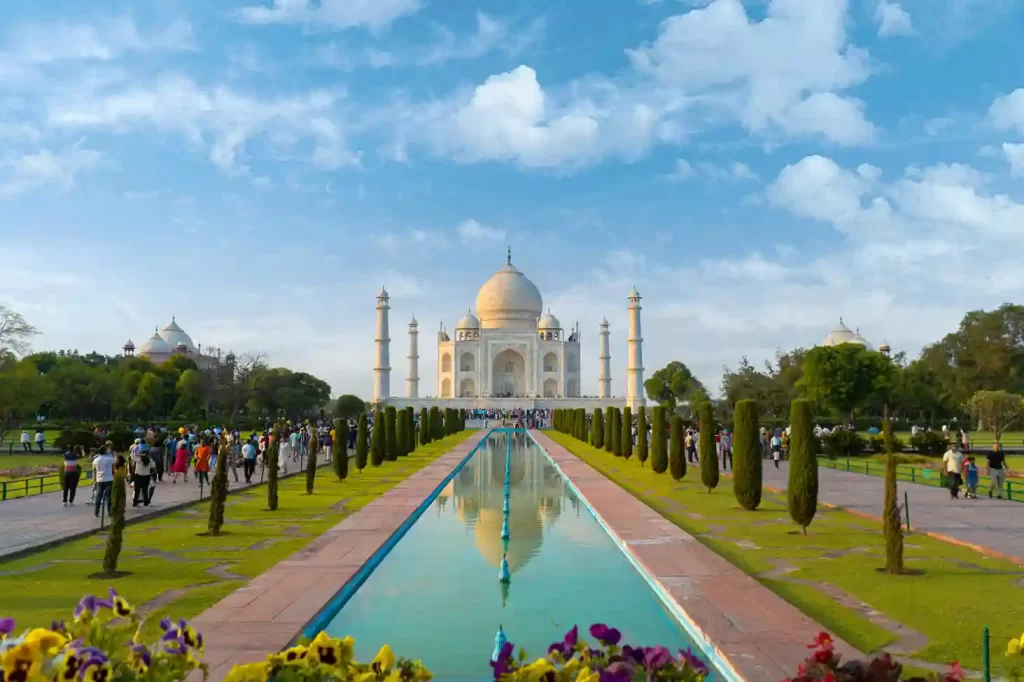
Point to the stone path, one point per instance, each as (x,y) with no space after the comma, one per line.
(762,636)
(995,526)
(30,523)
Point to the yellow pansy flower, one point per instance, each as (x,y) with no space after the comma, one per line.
(1014,648)
(296,656)
(45,640)
(383,661)
(22,663)
(250,672)
(538,669)
(588,675)
(326,651)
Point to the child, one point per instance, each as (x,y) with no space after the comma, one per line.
(972,478)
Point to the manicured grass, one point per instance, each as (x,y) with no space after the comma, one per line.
(177,571)
(960,592)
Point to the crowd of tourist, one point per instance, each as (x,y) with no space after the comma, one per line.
(532,418)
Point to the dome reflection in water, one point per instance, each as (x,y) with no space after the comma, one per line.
(437,596)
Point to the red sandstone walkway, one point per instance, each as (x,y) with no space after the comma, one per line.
(265,615)
(762,636)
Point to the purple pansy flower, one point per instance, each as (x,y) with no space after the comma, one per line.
(635,654)
(656,657)
(620,671)
(6,627)
(607,635)
(503,664)
(91,604)
(567,647)
(689,658)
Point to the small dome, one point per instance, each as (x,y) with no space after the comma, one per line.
(604,322)
(858,339)
(175,336)
(469,321)
(129,345)
(181,348)
(413,322)
(884,348)
(155,346)
(383,293)
(230,357)
(633,293)
(548,321)
(839,335)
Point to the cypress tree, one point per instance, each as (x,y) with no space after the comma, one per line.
(706,447)
(892,523)
(676,461)
(659,455)
(424,427)
(219,489)
(362,446)
(617,432)
(609,425)
(597,429)
(449,422)
(436,425)
(118,502)
(390,434)
(314,449)
(581,420)
(802,490)
(410,429)
(401,437)
(641,434)
(340,445)
(627,433)
(377,441)
(746,455)
(274,464)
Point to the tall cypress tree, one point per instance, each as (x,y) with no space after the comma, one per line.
(746,455)
(424,426)
(676,461)
(274,468)
(314,448)
(340,446)
(581,418)
(609,429)
(617,432)
(118,504)
(706,447)
(401,437)
(659,454)
(802,490)
(410,429)
(597,429)
(362,444)
(219,489)
(641,434)
(390,434)
(377,439)
(892,523)
(627,433)
(436,425)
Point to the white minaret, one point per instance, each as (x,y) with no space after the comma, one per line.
(382,370)
(604,378)
(635,366)
(412,382)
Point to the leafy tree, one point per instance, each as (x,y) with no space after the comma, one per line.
(401,437)
(892,524)
(191,390)
(627,433)
(746,469)
(22,391)
(273,464)
(996,410)
(118,503)
(378,443)
(14,332)
(219,489)
(340,445)
(424,426)
(597,429)
(349,407)
(314,449)
(676,461)
(362,446)
(641,434)
(706,447)
(846,376)
(802,490)
(390,434)
(659,453)
(671,384)
(148,395)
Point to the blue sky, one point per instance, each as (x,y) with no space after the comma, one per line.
(757,169)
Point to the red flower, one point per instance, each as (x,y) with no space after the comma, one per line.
(823,641)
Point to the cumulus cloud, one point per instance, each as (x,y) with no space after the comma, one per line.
(1007,111)
(1014,154)
(334,14)
(892,19)
(473,232)
(46,168)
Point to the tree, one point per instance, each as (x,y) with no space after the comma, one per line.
(659,454)
(191,389)
(349,407)
(641,434)
(340,444)
(390,434)
(846,376)
(746,448)
(148,395)
(314,448)
(616,432)
(401,437)
(378,443)
(802,490)
(410,430)
(627,433)
(996,410)
(597,429)
(362,446)
(115,540)
(274,466)
(706,446)
(436,425)
(424,426)
(892,523)
(676,461)
(22,390)
(609,439)
(219,490)
(671,385)
(581,420)
(14,332)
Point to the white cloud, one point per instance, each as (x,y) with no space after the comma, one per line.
(335,14)
(48,43)
(892,19)
(734,172)
(1007,111)
(473,232)
(683,171)
(1014,154)
(46,168)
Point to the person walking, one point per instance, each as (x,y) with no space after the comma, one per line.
(103,475)
(26,442)
(726,446)
(71,474)
(156,455)
(203,455)
(248,460)
(180,465)
(953,461)
(996,470)
(776,446)
(140,467)
(40,439)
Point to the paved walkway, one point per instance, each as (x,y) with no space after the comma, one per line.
(39,520)
(762,637)
(994,525)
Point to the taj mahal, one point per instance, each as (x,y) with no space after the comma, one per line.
(512,353)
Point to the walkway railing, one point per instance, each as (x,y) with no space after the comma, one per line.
(1014,490)
(36,485)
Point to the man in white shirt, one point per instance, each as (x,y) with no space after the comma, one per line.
(103,475)
(248,461)
(26,442)
(953,461)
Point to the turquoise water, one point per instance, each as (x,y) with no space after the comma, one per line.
(436,596)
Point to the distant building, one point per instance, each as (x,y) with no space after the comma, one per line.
(172,340)
(843,334)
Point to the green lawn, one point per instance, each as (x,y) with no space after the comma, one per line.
(174,570)
(960,592)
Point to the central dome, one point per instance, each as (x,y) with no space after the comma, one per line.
(509,300)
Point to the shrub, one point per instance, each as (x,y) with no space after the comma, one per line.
(273,464)
(641,434)
(401,437)
(676,461)
(746,457)
(802,490)
(929,443)
(390,434)
(659,453)
(706,447)
(118,502)
(314,448)
(424,426)
(362,446)
(436,424)
(410,429)
(377,442)
(843,443)
(627,433)
(340,445)
(616,432)
(219,489)
(68,439)
(609,430)
(597,429)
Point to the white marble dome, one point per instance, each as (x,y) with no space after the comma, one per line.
(843,334)
(155,346)
(469,321)
(176,336)
(548,321)
(509,300)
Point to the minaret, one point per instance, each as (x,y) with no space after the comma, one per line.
(604,378)
(412,382)
(382,370)
(635,366)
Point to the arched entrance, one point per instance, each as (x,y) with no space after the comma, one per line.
(446,388)
(508,374)
(550,388)
(467,389)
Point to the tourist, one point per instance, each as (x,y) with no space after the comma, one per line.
(235,450)
(103,476)
(691,452)
(156,455)
(140,468)
(776,447)
(996,470)
(26,442)
(248,460)
(180,465)
(725,443)
(203,455)
(71,475)
(971,470)
(40,439)
(952,461)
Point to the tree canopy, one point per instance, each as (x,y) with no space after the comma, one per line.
(672,384)
(846,376)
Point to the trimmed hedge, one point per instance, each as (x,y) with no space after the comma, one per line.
(746,455)
(659,452)
(802,489)
(676,461)
(362,444)
(627,433)
(641,434)
(706,447)
(597,429)
(340,448)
